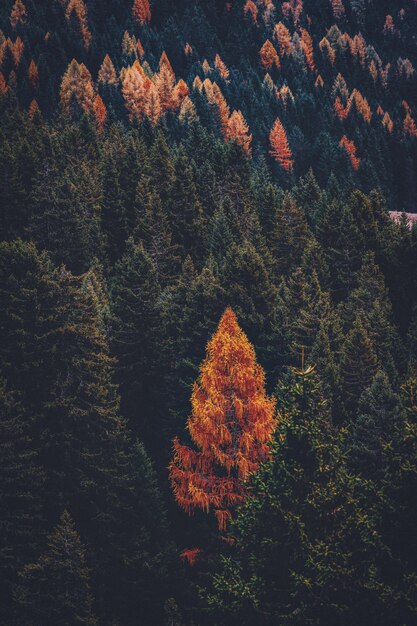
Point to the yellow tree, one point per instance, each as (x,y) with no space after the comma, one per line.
(134,89)
(77,87)
(283,37)
(232,424)
(221,68)
(238,130)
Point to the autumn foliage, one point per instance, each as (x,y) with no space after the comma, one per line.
(141,11)
(231,425)
(350,148)
(268,56)
(279,146)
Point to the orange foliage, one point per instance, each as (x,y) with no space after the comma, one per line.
(141,11)
(3,84)
(153,109)
(215,96)
(350,148)
(283,37)
(410,127)
(33,109)
(18,14)
(269,56)
(388,123)
(294,8)
(190,555)
(107,73)
(33,73)
(307,46)
(341,111)
(251,9)
(319,81)
(77,86)
(164,83)
(100,112)
(78,8)
(238,130)
(179,94)
(232,424)
(389,25)
(188,50)
(140,49)
(134,88)
(362,105)
(280,148)
(221,68)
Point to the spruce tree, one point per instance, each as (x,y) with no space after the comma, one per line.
(55,590)
(136,339)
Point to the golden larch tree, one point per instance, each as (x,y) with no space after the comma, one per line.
(268,56)
(77,87)
(283,37)
(308,49)
(179,94)
(33,73)
(153,109)
(33,109)
(221,68)
(327,50)
(18,14)
(279,146)
(107,74)
(387,123)
(3,84)
(251,9)
(351,150)
(77,9)
(134,89)
(231,424)
(141,11)
(238,130)
(410,127)
(100,112)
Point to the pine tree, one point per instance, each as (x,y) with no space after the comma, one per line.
(359,363)
(56,589)
(289,236)
(372,431)
(232,424)
(282,35)
(21,481)
(238,130)
(280,149)
(136,339)
(33,73)
(303,536)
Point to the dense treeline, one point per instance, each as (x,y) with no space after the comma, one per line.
(125,237)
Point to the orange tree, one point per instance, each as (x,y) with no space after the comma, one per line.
(231,424)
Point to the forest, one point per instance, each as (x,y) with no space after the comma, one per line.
(208,312)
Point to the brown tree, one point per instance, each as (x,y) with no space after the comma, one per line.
(269,56)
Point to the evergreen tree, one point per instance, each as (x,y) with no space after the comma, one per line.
(301,539)
(56,589)
(136,340)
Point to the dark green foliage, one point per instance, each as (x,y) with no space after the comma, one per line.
(299,535)
(55,589)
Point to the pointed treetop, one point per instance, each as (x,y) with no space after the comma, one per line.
(141,11)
